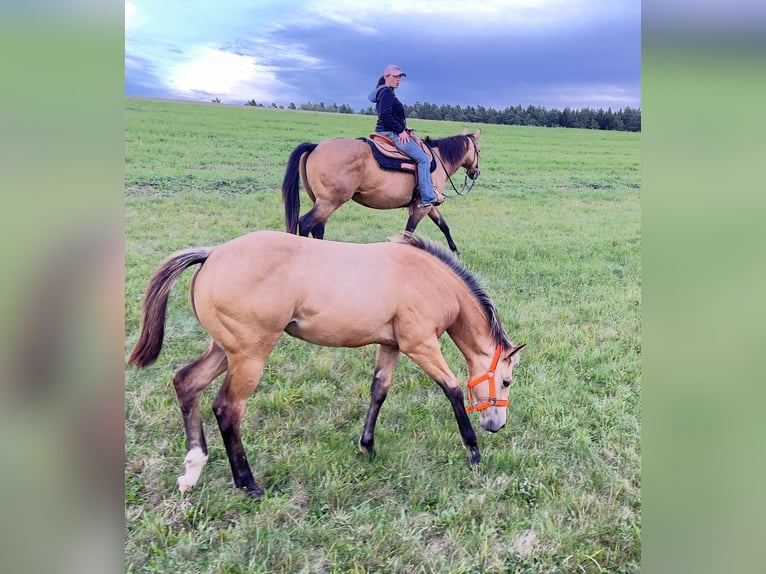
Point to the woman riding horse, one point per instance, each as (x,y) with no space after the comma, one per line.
(392,123)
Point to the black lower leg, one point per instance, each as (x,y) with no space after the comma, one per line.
(240,468)
(318,231)
(195,435)
(467,434)
(310,224)
(412,222)
(378,394)
(304,225)
(444,228)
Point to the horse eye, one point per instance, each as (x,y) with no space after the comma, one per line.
(506,382)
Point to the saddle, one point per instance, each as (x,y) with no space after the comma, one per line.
(388,155)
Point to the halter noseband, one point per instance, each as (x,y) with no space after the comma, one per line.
(493,401)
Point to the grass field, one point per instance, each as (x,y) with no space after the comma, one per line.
(552,227)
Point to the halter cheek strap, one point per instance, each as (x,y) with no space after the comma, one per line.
(493,401)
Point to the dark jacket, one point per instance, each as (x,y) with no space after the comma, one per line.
(390,110)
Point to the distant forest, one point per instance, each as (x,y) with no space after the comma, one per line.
(626,119)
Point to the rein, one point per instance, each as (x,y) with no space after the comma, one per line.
(493,401)
(465,179)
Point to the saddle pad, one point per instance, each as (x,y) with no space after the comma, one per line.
(402,163)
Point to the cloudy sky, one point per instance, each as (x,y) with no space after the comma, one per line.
(494,53)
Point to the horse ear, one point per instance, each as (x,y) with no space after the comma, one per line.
(476,136)
(514,350)
(514,353)
(465,131)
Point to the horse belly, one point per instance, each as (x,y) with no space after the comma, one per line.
(385,190)
(348,330)
(343,169)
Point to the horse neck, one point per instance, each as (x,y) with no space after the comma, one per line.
(450,168)
(473,337)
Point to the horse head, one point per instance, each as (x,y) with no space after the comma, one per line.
(471,163)
(488,393)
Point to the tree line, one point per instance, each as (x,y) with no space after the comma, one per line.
(625,119)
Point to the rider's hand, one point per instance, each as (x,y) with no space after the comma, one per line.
(404,137)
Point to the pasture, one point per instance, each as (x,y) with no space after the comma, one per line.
(553,229)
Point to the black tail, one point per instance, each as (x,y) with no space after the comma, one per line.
(290,191)
(149,343)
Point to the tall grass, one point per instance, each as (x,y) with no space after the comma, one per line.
(552,228)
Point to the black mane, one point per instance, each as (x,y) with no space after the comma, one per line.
(499,335)
(452,148)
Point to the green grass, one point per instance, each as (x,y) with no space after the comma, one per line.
(552,228)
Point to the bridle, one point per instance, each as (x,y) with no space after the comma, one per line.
(465,189)
(493,401)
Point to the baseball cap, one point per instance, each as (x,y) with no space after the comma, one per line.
(393,70)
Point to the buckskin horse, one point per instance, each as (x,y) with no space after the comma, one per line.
(245,293)
(337,170)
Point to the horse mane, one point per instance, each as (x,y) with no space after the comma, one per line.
(452,148)
(499,335)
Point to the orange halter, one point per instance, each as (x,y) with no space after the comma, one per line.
(493,401)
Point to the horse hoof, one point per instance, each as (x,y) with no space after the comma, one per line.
(193,463)
(367,450)
(475,456)
(254,493)
(184,484)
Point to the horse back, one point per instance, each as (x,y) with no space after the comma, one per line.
(328,293)
(340,152)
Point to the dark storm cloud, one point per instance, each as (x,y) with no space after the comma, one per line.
(553,54)
(497,70)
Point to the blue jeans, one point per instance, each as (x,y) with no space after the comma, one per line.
(413,150)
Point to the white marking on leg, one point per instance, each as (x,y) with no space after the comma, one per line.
(193,463)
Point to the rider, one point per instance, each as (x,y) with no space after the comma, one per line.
(392,123)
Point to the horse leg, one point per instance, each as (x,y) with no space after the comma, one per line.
(385,361)
(229,407)
(416,214)
(314,220)
(437,218)
(455,396)
(189,382)
(429,358)
(306,223)
(318,231)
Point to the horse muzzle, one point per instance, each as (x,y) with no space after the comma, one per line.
(492,422)
(475,175)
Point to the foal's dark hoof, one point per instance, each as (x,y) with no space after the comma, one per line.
(367,451)
(474,456)
(254,493)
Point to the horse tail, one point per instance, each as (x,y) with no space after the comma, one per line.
(290,191)
(149,342)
